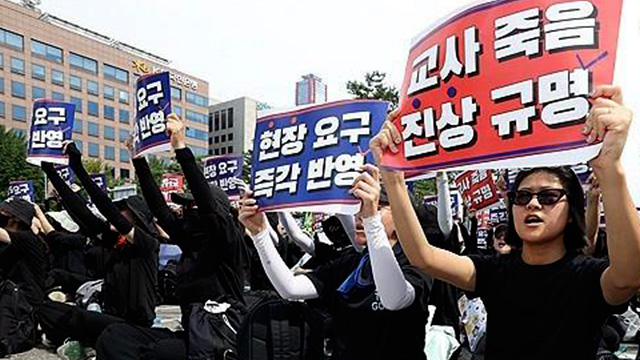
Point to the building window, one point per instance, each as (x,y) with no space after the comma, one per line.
(230,118)
(223,138)
(18,112)
(196,117)
(109,152)
(123,116)
(94,150)
(94,129)
(196,134)
(223,120)
(123,96)
(109,92)
(223,151)
(93,88)
(216,139)
(109,112)
(124,155)
(79,145)
(216,151)
(38,72)
(216,120)
(46,51)
(1,61)
(38,93)
(78,103)
(123,135)
(114,73)
(1,85)
(231,137)
(75,82)
(83,63)
(77,126)
(57,77)
(18,89)
(199,151)
(177,110)
(124,173)
(176,93)
(17,66)
(2,109)
(93,109)
(109,133)
(11,39)
(230,150)
(57,96)
(196,99)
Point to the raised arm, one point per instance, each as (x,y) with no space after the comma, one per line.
(445,213)
(592,215)
(455,269)
(609,121)
(295,233)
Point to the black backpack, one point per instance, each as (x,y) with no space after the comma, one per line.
(212,329)
(17,325)
(281,330)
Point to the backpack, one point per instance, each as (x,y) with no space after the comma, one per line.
(168,284)
(17,324)
(281,330)
(212,330)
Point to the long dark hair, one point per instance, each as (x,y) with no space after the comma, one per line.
(574,232)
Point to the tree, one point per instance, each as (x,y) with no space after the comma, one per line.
(98,166)
(161,166)
(246,166)
(422,188)
(374,87)
(13,163)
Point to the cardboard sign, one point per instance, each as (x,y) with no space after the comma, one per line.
(65,173)
(478,188)
(153,105)
(171,183)
(51,126)
(22,190)
(223,171)
(100,180)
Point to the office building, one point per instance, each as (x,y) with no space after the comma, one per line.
(232,126)
(310,90)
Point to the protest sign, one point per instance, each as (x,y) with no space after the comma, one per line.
(21,190)
(171,183)
(456,202)
(100,180)
(307,159)
(503,80)
(224,171)
(478,188)
(153,105)
(51,126)
(498,215)
(65,173)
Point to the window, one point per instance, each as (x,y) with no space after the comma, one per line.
(109,132)
(83,63)
(177,110)
(216,121)
(75,82)
(196,99)
(57,96)
(216,139)
(46,51)
(94,150)
(123,96)
(57,77)
(93,108)
(79,145)
(20,132)
(124,173)
(18,89)
(109,152)
(2,109)
(93,88)
(216,151)
(223,138)
(1,85)
(230,150)
(38,93)
(197,134)
(230,118)
(38,72)
(223,151)
(109,112)
(114,73)
(197,117)
(94,130)
(11,39)
(1,61)
(123,116)
(231,137)
(109,92)
(223,120)
(176,93)
(17,66)
(78,103)
(78,126)
(199,151)
(18,112)
(123,135)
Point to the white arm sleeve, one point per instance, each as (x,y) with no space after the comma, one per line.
(394,290)
(349,224)
(287,285)
(445,214)
(295,233)
(273,235)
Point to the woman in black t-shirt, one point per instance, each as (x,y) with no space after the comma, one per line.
(547,301)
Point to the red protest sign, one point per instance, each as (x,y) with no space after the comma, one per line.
(504,79)
(171,183)
(478,188)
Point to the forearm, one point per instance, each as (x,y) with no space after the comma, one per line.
(287,285)
(153,195)
(4,236)
(394,290)
(295,233)
(197,183)
(592,218)
(445,214)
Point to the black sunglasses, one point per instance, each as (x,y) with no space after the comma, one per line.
(545,197)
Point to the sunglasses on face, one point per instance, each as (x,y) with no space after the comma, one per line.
(545,197)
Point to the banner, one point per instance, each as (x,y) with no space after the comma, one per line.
(100,180)
(223,171)
(498,215)
(22,190)
(51,126)
(456,202)
(478,188)
(65,173)
(505,80)
(171,183)
(307,159)
(153,105)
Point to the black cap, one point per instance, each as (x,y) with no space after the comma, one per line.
(184,199)
(139,209)
(20,209)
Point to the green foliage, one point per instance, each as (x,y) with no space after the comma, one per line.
(246,166)
(422,188)
(161,166)
(374,87)
(13,164)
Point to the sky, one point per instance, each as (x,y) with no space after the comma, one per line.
(260,48)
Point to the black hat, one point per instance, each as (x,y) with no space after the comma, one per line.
(20,209)
(140,210)
(183,199)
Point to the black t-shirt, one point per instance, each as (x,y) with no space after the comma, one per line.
(67,251)
(363,328)
(24,262)
(552,311)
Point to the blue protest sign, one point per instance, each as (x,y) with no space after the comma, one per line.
(498,215)
(21,190)
(223,171)
(51,125)
(65,173)
(153,105)
(307,159)
(100,180)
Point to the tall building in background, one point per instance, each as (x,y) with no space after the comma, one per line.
(42,56)
(232,126)
(311,90)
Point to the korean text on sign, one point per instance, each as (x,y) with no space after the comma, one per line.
(309,158)
(21,190)
(51,126)
(153,105)
(504,79)
(478,188)
(224,171)
(171,183)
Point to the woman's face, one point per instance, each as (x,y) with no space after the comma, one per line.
(536,223)
(499,245)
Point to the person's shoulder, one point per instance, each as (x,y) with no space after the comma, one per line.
(582,262)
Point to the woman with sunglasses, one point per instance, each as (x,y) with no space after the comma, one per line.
(547,301)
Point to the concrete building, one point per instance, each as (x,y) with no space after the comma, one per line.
(232,126)
(310,90)
(42,56)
